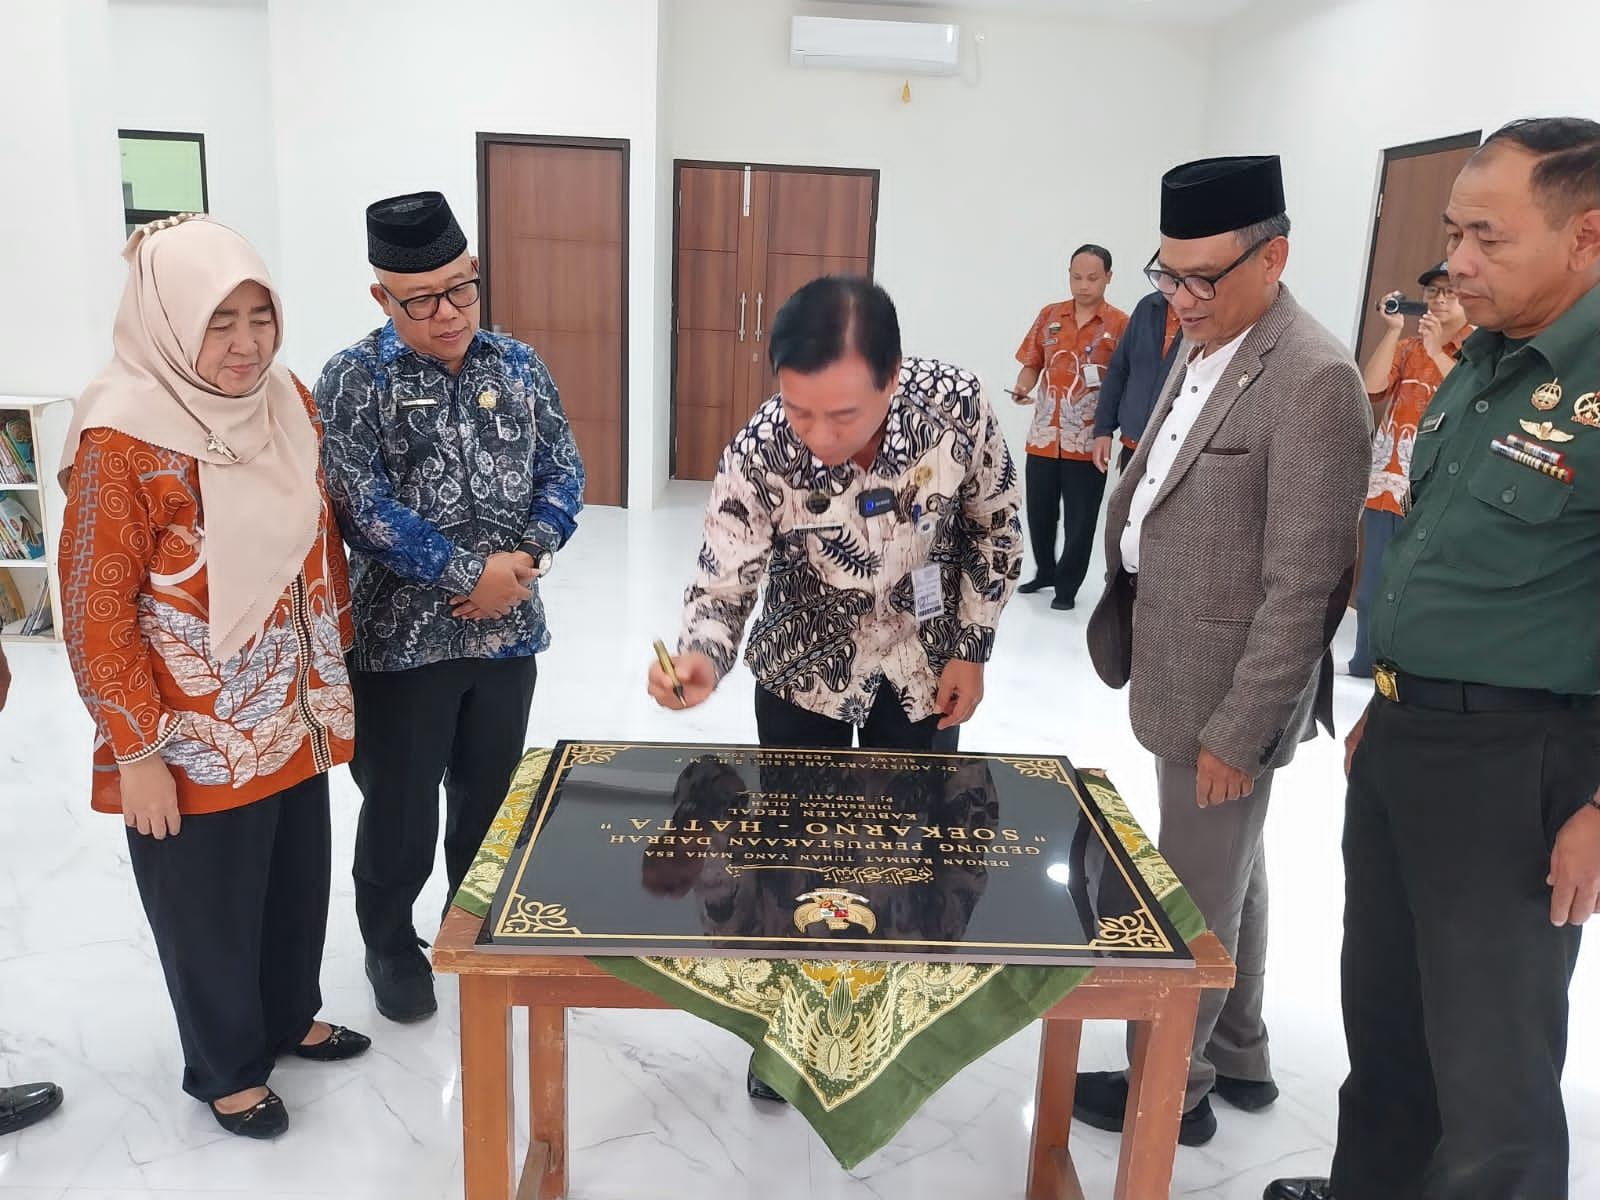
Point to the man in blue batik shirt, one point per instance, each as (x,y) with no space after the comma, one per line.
(455,478)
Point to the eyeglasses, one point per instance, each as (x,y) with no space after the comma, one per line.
(420,308)
(1201,287)
(1433,292)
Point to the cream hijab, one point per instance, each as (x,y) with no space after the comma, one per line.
(260,502)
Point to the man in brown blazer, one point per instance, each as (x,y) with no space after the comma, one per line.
(1230,543)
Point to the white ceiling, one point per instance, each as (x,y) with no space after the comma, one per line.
(1176,12)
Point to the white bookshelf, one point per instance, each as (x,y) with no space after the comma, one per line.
(38,578)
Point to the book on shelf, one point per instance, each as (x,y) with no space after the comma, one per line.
(11,607)
(16,444)
(21,535)
(38,620)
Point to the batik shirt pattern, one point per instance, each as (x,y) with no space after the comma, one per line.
(430,474)
(839,615)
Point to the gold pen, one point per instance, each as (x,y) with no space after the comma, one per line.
(665,660)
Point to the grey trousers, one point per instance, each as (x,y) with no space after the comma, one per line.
(1220,856)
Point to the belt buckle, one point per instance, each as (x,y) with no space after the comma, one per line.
(1388,682)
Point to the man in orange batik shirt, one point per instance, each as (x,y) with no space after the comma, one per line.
(1065,354)
(1401,377)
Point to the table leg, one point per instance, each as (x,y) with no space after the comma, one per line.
(547,1101)
(1157,1077)
(488,1142)
(1051,1175)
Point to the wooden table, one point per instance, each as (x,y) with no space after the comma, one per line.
(1160,1001)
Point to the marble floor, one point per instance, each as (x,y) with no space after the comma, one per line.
(658,1106)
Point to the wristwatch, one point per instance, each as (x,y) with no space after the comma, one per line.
(542,558)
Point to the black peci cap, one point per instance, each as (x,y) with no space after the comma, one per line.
(412,234)
(1219,195)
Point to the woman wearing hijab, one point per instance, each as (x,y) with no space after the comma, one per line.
(206,613)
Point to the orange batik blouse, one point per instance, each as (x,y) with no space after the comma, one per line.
(134,599)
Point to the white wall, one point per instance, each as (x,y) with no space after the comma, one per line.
(661,296)
(1329,87)
(368,106)
(202,68)
(1057,135)
(60,206)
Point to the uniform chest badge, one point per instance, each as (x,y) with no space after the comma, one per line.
(1547,395)
(487,398)
(1586,409)
(1545,431)
(922,476)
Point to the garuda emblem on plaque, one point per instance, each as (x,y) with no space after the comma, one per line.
(838,908)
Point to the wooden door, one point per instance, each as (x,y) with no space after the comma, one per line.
(713,317)
(1407,235)
(746,238)
(555,273)
(807,224)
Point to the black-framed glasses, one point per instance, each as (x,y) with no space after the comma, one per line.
(1201,287)
(420,308)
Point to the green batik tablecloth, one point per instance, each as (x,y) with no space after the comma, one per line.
(855,1046)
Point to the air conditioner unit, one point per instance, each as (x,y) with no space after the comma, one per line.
(897,47)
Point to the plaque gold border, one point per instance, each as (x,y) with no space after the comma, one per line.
(1138,930)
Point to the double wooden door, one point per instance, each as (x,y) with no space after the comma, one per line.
(554,216)
(747,238)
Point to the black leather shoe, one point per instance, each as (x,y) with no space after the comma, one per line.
(402,984)
(1061,605)
(262,1121)
(339,1045)
(758,1088)
(1101,1098)
(1251,1095)
(22,1105)
(1298,1189)
(1037,584)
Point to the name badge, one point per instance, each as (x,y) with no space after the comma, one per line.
(1091,375)
(927,591)
(420,402)
(1431,422)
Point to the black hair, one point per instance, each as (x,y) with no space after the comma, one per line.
(1566,178)
(1099,252)
(831,316)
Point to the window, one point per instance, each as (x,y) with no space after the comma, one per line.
(163,174)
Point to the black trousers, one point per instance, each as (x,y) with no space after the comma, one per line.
(463,722)
(1454,980)
(780,723)
(1065,491)
(238,904)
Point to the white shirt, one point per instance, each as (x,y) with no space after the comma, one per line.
(1200,377)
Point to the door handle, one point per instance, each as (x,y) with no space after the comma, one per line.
(758,316)
(741,316)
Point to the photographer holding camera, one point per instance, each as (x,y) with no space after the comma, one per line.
(1401,377)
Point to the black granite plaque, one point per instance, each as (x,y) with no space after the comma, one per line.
(662,849)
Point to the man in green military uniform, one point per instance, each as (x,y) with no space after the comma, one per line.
(1472,826)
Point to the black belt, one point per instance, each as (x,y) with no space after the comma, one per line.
(1450,695)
